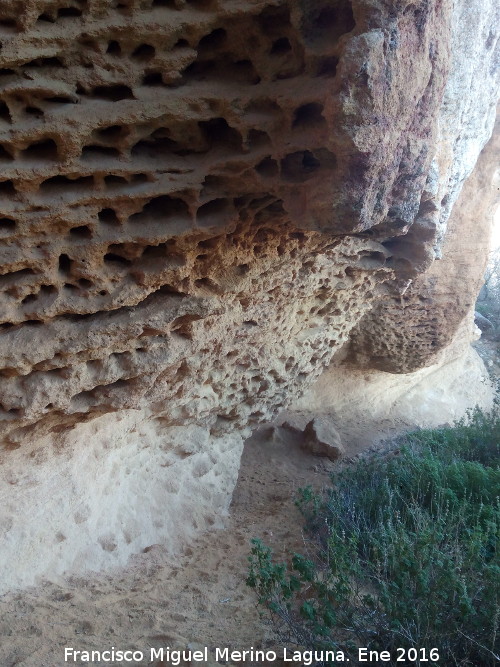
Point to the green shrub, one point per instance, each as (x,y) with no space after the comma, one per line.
(403,553)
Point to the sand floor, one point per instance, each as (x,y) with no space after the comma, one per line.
(157,601)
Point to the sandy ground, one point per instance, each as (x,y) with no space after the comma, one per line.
(200,598)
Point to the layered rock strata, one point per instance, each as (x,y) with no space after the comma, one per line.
(200,199)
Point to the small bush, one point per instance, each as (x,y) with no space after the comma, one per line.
(403,553)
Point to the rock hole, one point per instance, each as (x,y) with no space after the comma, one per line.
(15,276)
(61,99)
(215,40)
(281,46)
(273,20)
(199,70)
(308,115)
(245,72)
(209,243)
(326,24)
(153,251)
(85,283)
(327,18)
(267,168)
(95,152)
(200,4)
(46,62)
(65,264)
(4,154)
(212,183)
(144,52)
(81,232)
(66,183)
(218,133)
(114,48)
(112,180)
(112,257)
(29,299)
(7,188)
(240,71)
(327,159)
(258,139)
(7,225)
(47,18)
(8,24)
(210,214)
(136,179)
(34,111)
(328,66)
(299,166)
(113,93)
(68,11)
(139,178)
(111,134)
(161,207)
(4,112)
(45,150)
(157,145)
(490,41)
(152,79)
(182,326)
(108,216)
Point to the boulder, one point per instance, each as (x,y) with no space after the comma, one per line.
(321,438)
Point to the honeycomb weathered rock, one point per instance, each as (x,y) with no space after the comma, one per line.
(173,172)
(199,200)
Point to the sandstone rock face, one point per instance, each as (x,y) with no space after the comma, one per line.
(404,333)
(322,439)
(200,199)
(434,322)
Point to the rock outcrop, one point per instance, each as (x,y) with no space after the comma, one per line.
(433,321)
(202,202)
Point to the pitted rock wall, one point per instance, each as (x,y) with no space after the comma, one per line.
(403,333)
(199,201)
(202,162)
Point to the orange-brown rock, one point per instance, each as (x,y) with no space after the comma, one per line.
(199,201)
(404,333)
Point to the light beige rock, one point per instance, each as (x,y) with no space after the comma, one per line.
(322,438)
(200,200)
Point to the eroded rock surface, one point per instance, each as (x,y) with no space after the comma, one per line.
(199,200)
(433,322)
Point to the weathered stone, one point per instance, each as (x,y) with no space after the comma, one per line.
(200,201)
(322,438)
(432,324)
